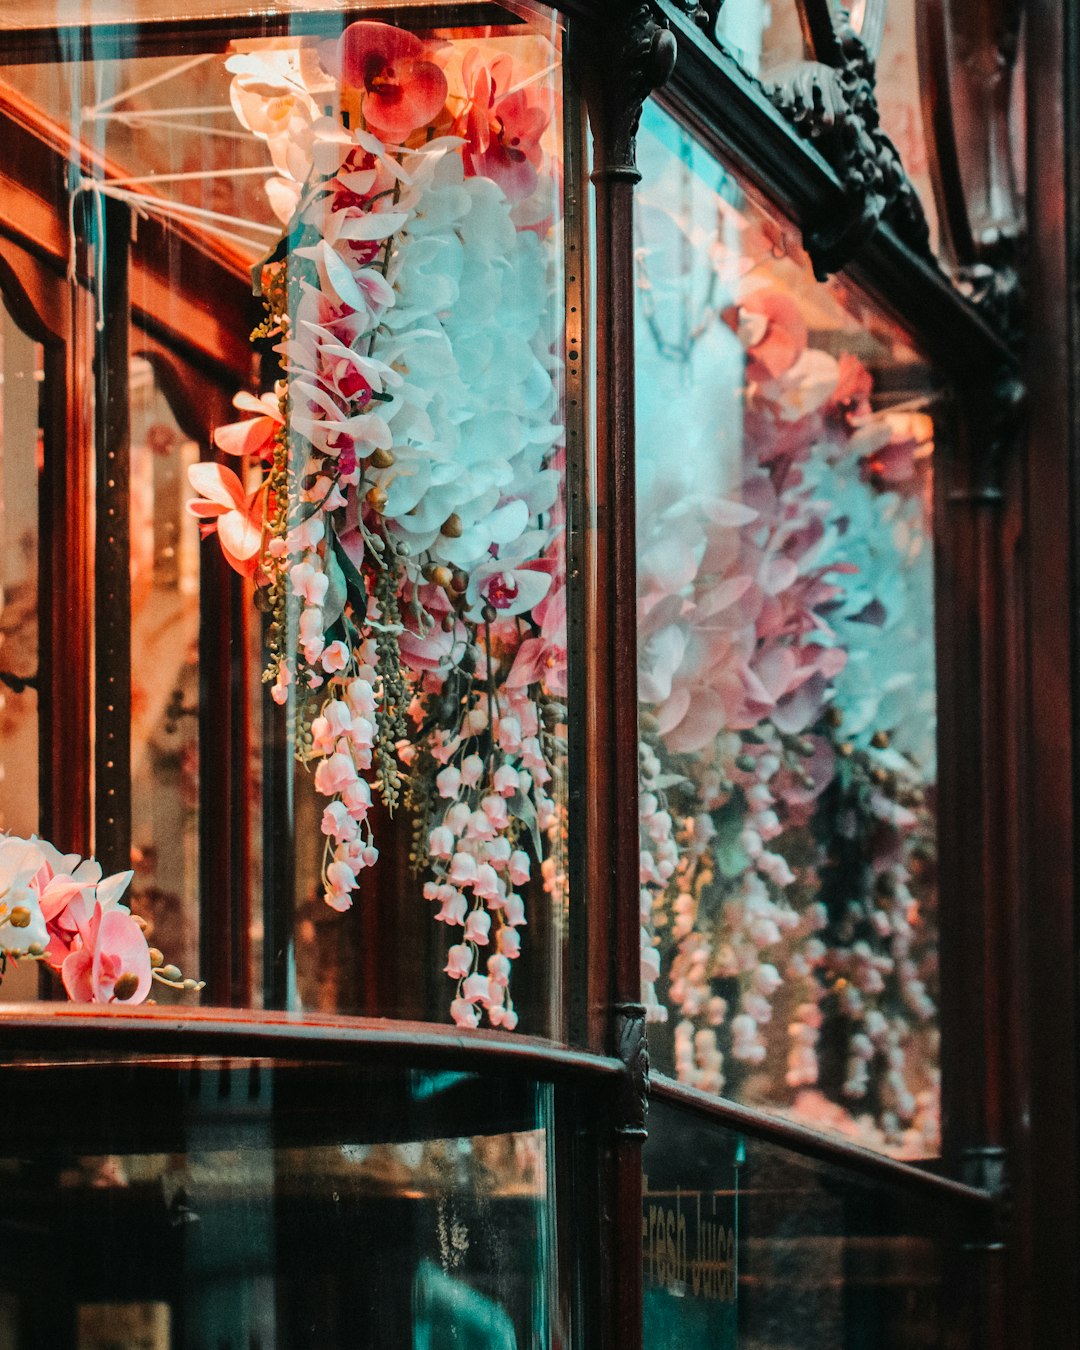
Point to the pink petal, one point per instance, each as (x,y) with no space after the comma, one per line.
(217,484)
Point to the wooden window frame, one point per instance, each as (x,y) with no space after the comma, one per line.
(981,649)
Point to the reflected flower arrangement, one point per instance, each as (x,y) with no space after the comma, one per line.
(787,767)
(401,515)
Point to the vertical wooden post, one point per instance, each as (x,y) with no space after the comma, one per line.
(624,58)
(112,501)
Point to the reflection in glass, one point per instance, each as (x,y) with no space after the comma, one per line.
(396,501)
(764,36)
(745,1243)
(164,675)
(21,458)
(786,670)
(280,1207)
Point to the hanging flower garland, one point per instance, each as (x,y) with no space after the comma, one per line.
(404,525)
(57,908)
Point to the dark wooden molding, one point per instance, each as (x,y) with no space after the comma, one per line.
(112,551)
(73,1031)
(834,106)
(632,54)
(632,1048)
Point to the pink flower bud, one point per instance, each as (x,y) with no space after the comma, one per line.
(335,657)
(508,941)
(494,808)
(498,968)
(457,817)
(505,781)
(463,869)
(337,822)
(472,768)
(448,782)
(361,697)
(454,907)
(514,910)
(509,735)
(464,1013)
(459,961)
(441,842)
(519,867)
(487,883)
(477,927)
(476,989)
(341,877)
(357,797)
(335,774)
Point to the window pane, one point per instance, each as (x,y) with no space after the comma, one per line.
(786,669)
(390,487)
(21,461)
(276,1205)
(749,1244)
(165,675)
(764,36)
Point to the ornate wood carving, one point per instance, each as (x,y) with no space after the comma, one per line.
(835,108)
(631,1046)
(632,54)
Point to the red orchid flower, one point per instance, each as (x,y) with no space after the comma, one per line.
(502,130)
(402,88)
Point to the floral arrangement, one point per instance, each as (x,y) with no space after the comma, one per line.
(403,524)
(57,908)
(787,768)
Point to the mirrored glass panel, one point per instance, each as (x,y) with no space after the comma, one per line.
(747,1244)
(786,669)
(206,1204)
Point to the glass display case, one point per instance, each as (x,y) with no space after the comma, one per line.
(502,754)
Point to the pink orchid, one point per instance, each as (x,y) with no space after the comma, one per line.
(542,660)
(111,961)
(501,127)
(236,515)
(400,87)
(253,438)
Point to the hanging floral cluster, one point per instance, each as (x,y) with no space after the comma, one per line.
(786,682)
(58,909)
(403,521)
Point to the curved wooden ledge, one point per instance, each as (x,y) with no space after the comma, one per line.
(800,1139)
(43,1031)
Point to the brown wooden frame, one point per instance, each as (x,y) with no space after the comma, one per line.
(990,507)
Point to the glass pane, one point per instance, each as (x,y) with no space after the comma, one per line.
(899,96)
(786,669)
(165,675)
(764,36)
(21,461)
(278,1206)
(390,486)
(748,1244)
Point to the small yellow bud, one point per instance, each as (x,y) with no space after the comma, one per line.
(156,958)
(20,917)
(452,526)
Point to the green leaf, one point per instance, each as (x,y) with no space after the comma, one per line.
(521,807)
(355,589)
(336,593)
